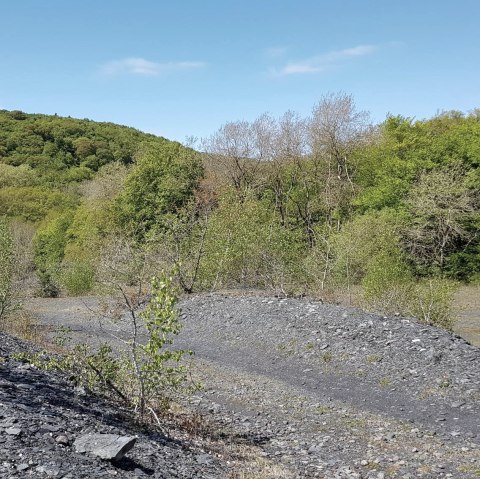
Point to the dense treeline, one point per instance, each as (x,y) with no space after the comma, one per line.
(62,187)
(299,205)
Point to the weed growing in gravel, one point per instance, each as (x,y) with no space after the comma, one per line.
(310,346)
(322,409)
(94,370)
(356,423)
(444,383)
(63,336)
(469,469)
(327,356)
(373,358)
(384,382)
(290,348)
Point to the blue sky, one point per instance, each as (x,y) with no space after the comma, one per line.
(182,68)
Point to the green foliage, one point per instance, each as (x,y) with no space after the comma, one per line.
(365,243)
(33,203)
(316,205)
(159,369)
(444,211)
(91,224)
(162,181)
(431,300)
(39,156)
(387,284)
(92,369)
(146,375)
(77,278)
(389,287)
(53,145)
(7,265)
(16,176)
(49,250)
(246,246)
(429,168)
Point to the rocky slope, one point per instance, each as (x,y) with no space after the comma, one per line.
(324,391)
(42,415)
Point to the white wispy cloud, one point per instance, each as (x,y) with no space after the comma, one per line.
(142,67)
(326,61)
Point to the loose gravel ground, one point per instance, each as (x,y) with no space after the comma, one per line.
(317,390)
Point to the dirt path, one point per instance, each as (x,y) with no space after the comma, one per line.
(325,389)
(467,310)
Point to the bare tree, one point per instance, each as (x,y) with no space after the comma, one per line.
(288,147)
(264,132)
(229,154)
(183,243)
(336,129)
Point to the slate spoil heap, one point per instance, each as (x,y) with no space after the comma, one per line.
(49,429)
(293,389)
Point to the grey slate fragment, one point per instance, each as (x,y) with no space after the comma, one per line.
(51,470)
(105,446)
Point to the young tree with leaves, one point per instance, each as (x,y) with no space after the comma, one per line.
(7,259)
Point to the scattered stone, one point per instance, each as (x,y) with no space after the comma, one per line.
(62,439)
(51,470)
(337,420)
(105,446)
(203,459)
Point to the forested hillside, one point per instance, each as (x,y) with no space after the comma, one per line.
(62,191)
(318,205)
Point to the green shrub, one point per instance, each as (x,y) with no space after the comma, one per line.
(389,289)
(364,244)
(387,283)
(162,181)
(431,302)
(246,246)
(7,266)
(33,203)
(49,250)
(77,278)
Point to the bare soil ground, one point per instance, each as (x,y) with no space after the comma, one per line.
(467,310)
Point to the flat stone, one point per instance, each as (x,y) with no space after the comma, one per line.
(106,446)
(13,431)
(62,439)
(203,459)
(51,470)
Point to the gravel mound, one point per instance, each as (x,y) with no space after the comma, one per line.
(317,390)
(42,414)
(401,354)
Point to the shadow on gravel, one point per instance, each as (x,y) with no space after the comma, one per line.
(128,465)
(249,439)
(37,393)
(34,395)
